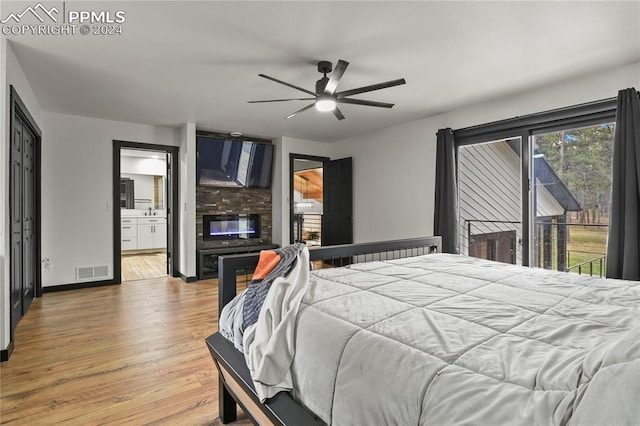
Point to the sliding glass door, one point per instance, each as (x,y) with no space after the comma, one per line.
(535,190)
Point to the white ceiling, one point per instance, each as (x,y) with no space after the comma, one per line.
(179,62)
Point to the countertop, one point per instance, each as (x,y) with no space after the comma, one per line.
(142,217)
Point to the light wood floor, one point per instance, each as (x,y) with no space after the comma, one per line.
(140,266)
(127,354)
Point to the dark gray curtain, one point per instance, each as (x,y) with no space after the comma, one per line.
(623,248)
(446,209)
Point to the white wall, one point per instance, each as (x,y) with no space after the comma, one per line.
(187,201)
(392,181)
(280,185)
(394,169)
(77,190)
(10,74)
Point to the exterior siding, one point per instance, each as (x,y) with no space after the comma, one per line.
(547,205)
(489,190)
(489,185)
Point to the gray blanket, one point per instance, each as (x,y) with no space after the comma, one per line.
(445,339)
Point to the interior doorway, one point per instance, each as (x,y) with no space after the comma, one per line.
(307,200)
(145,222)
(321,200)
(143,194)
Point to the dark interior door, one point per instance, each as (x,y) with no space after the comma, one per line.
(337,215)
(23,204)
(16,223)
(29,263)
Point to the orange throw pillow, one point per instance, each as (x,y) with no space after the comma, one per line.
(268,260)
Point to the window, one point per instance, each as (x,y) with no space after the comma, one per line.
(534,190)
(489,180)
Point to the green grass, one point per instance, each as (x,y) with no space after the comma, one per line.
(586,243)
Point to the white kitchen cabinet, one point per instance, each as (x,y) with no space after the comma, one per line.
(129,243)
(152,233)
(143,233)
(145,236)
(129,234)
(160,236)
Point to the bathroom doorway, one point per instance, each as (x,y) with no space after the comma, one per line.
(144,183)
(143,191)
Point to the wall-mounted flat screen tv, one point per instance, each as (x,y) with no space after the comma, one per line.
(230,162)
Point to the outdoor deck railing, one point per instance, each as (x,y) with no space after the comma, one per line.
(308,227)
(600,260)
(593,263)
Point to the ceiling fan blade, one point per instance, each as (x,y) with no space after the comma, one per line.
(336,75)
(287,84)
(338,114)
(363,102)
(371,88)
(299,111)
(282,100)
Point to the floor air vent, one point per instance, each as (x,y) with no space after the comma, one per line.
(100,271)
(89,272)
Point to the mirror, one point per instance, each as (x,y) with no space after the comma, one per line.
(141,192)
(142,180)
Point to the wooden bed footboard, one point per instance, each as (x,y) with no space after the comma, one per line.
(234,380)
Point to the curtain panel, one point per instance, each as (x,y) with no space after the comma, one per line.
(623,246)
(446,202)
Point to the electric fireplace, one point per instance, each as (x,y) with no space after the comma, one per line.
(230,227)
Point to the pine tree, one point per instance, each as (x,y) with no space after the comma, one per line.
(582,160)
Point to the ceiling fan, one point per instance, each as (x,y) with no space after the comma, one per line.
(325,97)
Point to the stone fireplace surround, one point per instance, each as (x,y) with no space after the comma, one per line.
(237,200)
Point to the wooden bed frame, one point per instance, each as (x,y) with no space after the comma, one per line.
(234,380)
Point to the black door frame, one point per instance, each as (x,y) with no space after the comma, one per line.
(173,210)
(17,108)
(292,158)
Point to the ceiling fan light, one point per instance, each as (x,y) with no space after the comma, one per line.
(325,104)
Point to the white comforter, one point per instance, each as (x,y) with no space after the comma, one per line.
(444,339)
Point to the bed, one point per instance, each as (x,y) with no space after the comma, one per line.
(403,335)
